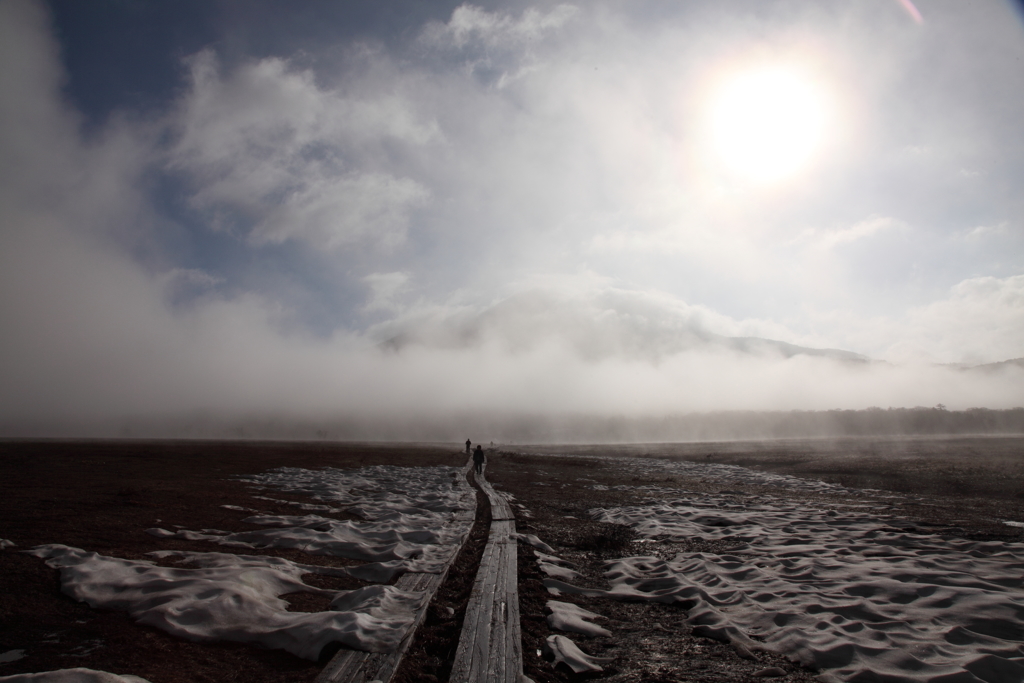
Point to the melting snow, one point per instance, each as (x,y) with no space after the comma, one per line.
(407,531)
(568,617)
(77,675)
(220,596)
(555,566)
(232,597)
(836,590)
(531,539)
(566,652)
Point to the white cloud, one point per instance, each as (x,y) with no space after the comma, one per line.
(496,47)
(471,25)
(869,227)
(982,321)
(267,144)
(984,232)
(587,316)
(979,320)
(504,185)
(335,211)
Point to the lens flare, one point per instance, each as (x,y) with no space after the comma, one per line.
(912,11)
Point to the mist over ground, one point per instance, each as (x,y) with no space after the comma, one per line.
(510,430)
(491,222)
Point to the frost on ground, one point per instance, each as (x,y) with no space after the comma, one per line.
(837,590)
(76,675)
(221,596)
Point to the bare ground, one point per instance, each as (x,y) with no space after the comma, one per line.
(963,487)
(101,496)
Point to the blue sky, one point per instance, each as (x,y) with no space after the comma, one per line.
(320,207)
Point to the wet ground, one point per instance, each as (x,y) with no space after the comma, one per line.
(101,496)
(926,485)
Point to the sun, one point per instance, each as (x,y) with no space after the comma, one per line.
(766,124)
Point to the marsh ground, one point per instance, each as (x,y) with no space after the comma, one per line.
(961,487)
(102,495)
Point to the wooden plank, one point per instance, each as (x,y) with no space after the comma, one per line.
(490,647)
(501,531)
(475,609)
(428,583)
(480,640)
(355,666)
(513,637)
(500,508)
(474,642)
(499,663)
(348,666)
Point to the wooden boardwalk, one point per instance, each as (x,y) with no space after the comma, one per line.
(490,647)
(355,666)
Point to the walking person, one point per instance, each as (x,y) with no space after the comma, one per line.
(468,444)
(478,459)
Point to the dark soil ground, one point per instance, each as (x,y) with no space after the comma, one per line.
(964,487)
(432,653)
(101,496)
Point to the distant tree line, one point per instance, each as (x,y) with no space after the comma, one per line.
(547,428)
(735,424)
(868,422)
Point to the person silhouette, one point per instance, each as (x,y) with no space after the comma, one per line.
(478,459)
(468,444)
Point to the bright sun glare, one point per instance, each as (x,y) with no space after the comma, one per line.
(766,124)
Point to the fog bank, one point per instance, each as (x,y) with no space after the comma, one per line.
(511,429)
(279,254)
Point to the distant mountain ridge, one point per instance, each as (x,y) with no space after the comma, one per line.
(600,325)
(613,323)
(997,366)
(787,350)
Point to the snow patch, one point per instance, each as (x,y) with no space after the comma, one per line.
(408,515)
(235,598)
(555,566)
(838,590)
(77,675)
(531,539)
(566,616)
(564,651)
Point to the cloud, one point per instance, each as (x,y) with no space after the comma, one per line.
(336,211)
(869,227)
(276,157)
(984,232)
(593,320)
(982,321)
(495,47)
(385,289)
(487,201)
(470,24)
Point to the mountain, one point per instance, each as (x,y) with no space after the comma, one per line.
(606,324)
